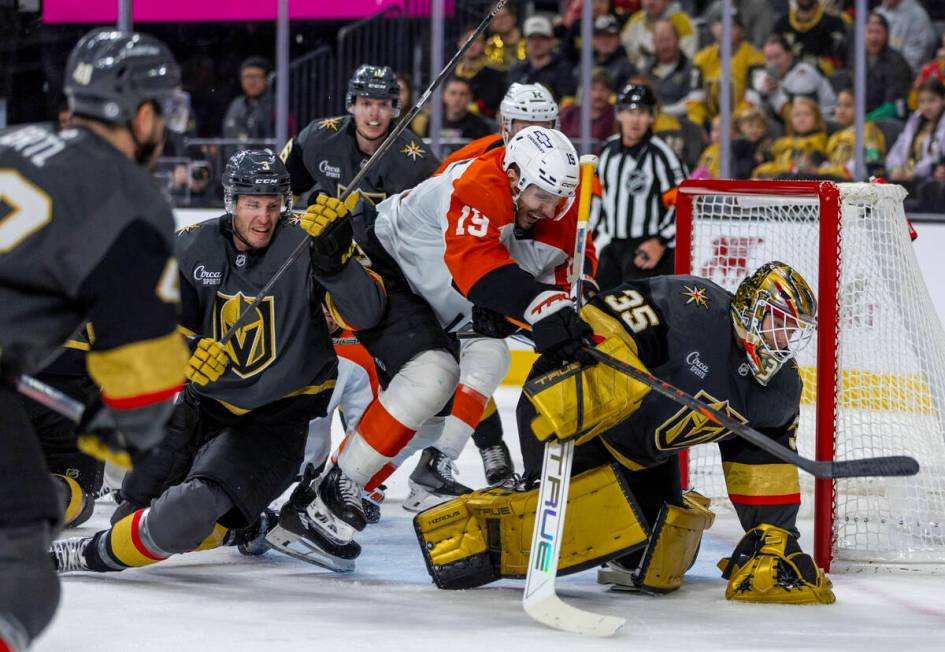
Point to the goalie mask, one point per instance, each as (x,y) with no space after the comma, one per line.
(774,314)
(531,103)
(256,172)
(547,166)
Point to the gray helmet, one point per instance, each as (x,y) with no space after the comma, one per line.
(256,172)
(110,74)
(374,81)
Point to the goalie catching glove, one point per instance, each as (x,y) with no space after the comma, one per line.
(583,402)
(207,363)
(768,565)
(327,222)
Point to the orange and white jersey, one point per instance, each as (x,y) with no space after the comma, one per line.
(455,240)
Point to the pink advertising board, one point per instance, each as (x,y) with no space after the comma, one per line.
(165,11)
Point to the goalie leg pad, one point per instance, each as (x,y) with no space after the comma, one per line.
(768,565)
(674,545)
(480,537)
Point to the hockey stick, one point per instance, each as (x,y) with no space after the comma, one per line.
(894,465)
(540,600)
(67,407)
(244,315)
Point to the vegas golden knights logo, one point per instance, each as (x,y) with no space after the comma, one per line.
(687,428)
(253,347)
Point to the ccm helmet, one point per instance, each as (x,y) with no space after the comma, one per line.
(256,172)
(546,159)
(374,81)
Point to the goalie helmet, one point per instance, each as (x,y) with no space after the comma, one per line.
(256,172)
(527,102)
(774,314)
(374,81)
(546,159)
(110,74)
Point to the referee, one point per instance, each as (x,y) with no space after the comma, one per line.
(635,230)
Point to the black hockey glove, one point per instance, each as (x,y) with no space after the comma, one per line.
(328,223)
(562,335)
(489,323)
(121,438)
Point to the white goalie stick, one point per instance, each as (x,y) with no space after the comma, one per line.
(540,600)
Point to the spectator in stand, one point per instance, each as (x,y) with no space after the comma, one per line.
(485,81)
(787,78)
(703,104)
(815,35)
(252,115)
(709,164)
(637,34)
(671,73)
(608,53)
(542,65)
(934,69)
(568,29)
(888,75)
(799,154)
(919,153)
(841,146)
(458,121)
(602,111)
(751,145)
(757,17)
(910,29)
(505,46)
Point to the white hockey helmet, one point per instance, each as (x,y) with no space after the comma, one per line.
(528,102)
(546,159)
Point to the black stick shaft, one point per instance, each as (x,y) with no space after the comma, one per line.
(899,465)
(244,315)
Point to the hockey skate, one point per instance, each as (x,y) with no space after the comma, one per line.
(620,577)
(497,463)
(371,503)
(432,482)
(251,540)
(68,555)
(341,496)
(307,530)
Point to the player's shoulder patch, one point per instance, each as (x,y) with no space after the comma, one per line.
(696,296)
(330,124)
(413,149)
(188,228)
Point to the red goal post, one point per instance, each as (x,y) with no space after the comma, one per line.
(874,381)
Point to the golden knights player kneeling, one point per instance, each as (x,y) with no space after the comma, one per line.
(626,506)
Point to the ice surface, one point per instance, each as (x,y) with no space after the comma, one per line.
(220,600)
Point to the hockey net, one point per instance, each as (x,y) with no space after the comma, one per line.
(874,384)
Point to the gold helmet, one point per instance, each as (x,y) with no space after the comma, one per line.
(774,313)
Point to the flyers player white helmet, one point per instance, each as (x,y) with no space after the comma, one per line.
(529,103)
(547,163)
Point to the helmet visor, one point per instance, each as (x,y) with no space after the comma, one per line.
(538,203)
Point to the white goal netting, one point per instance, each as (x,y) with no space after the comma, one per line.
(890,349)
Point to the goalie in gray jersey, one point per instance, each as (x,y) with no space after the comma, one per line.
(736,353)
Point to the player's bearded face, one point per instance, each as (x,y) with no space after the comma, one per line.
(148,135)
(534,204)
(255,218)
(372,116)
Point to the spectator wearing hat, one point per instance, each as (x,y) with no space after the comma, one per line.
(542,65)
(602,111)
(609,54)
(637,36)
(252,115)
(670,73)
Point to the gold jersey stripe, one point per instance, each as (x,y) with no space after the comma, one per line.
(140,368)
(309,390)
(761,479)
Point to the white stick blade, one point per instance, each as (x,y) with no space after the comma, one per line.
(550,610)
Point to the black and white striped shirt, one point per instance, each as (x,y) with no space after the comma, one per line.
(634,180)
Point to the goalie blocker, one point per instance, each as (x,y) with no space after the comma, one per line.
(486,535)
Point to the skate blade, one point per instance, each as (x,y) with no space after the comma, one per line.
(302,549)
(421,501)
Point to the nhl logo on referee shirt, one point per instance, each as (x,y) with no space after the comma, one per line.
(637,181)
(253,347)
